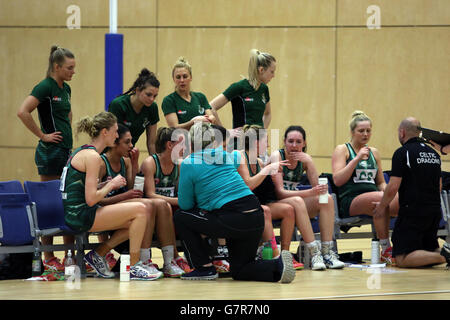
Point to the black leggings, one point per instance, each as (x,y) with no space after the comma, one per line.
(241,223)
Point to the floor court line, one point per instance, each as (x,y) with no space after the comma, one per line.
(370,295)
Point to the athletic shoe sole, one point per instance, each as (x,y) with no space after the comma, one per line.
(211,277)
(288,274)
(145,279)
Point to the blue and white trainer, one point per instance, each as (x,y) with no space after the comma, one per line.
(141,272)
(99,264)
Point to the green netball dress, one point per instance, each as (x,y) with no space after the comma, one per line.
(291,177)
(53,111)
(137,122)
(361,181)
(184,110)
(77,214)
(166,185)
(110,174)
(248,105)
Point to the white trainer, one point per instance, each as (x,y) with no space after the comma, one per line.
(317,262)
(172,270)
(143,272)
(331,260)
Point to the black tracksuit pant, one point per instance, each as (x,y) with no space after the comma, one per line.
(241,223)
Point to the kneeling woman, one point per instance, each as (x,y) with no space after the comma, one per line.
(215,201)
(81,197)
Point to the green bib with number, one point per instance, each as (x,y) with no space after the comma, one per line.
(363,177)
(165,185)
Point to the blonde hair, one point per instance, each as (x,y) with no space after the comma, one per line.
(93,125)
(202,131)
(258,59)
(250,129)
(57,55)
(182,63)
(358,116)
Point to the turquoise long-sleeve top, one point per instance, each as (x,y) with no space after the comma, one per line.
(209,179)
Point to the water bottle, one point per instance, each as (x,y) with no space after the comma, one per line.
(69,266)
(267,253)
(375,258)
(36,264)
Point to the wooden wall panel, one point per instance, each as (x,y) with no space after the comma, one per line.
(323,72)
(93,13)
(246,13)
(18,164)
(302,91)
(28,68)
(395,13)
(392,74)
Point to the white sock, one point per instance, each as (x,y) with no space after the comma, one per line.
(167,252)
(313,246)
(327,246)
(146,254)
(384,243)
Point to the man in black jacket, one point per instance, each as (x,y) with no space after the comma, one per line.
(416,176)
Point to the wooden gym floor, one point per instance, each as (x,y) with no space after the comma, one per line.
(348,284)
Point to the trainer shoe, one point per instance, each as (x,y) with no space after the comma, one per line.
(99,264)
(183,264)
(142,272)
(53,264)
(222,266)
(445,252)
(317,262)
(331,260)
(172,270)
(386,256)
(286,267)
(297,265)
(152,268)
(202,273)
(111,260)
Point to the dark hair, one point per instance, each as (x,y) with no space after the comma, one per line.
(145,78)
(222,131)
(57,55)
(163,135)
(121,130)
(299,129)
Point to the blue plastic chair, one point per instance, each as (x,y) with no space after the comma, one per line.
(12,186)
(49,217)
(49,206)
(17,231)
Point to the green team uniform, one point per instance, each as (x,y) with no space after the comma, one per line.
(248,105)
(137,122)
(53,110)
(291,178)
(77,214)
(361,181)
(110,174)
(184,110)
(166,185)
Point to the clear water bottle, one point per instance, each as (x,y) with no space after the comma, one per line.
(36,264)
(375,257)
(69,265)
(267,252)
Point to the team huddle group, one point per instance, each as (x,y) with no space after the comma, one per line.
(189,195)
